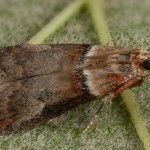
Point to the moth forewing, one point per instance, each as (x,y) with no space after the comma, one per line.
(40,82)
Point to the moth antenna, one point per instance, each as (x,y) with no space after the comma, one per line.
(103,65)
(93,120)
(87,57)
(117,51)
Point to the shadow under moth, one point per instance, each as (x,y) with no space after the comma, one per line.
(41,82)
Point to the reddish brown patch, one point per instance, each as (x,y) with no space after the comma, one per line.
(76,82)
(9,122)
(118,78)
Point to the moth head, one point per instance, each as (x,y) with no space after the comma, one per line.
(146,64)
(145,59)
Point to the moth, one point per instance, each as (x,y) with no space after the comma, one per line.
(41,82)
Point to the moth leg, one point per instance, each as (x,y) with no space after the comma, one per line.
(106,99)
(49,121)
(94,118)
(126,85)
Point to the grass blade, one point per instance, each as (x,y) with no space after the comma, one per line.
(58,21)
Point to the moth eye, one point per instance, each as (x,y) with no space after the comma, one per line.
(146,64)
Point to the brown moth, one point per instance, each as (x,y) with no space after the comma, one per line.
(40,82)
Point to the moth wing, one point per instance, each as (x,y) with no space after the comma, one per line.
(27,102)
(33,81)
(40,82)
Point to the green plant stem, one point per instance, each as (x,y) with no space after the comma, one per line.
(136,118)
(58,21)
(96,10)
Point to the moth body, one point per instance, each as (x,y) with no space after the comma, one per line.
(40,82)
